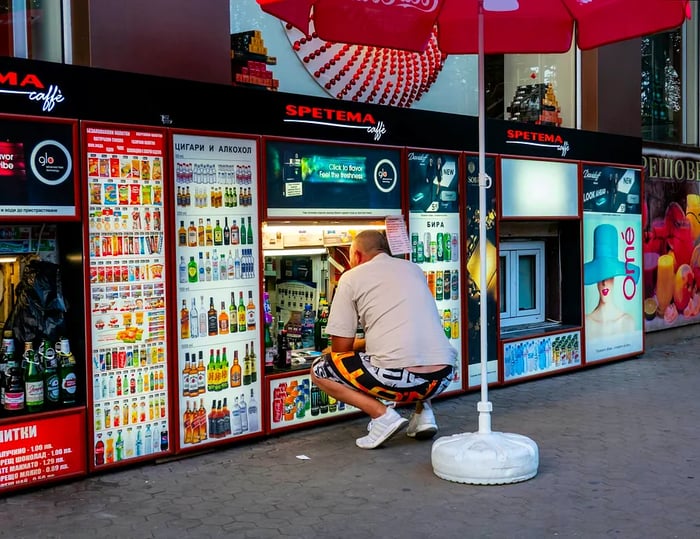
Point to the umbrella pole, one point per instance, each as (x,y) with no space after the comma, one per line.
(484,457)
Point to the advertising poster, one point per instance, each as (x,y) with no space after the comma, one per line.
(435,239)
(127,292)
(472,263)
(36,451)
(37,169)
(317,180)
(218,290)
(612,254)
(671,225)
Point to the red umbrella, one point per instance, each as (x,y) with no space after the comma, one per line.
(481,27)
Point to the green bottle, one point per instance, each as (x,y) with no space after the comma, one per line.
(33,380)
(192,270)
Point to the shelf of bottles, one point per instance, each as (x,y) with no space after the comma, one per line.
(218,288)
(530,357)
(128,294)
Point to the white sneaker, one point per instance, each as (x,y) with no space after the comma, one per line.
(381,429)
(422,426)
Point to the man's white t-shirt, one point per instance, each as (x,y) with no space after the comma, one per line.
(391,299)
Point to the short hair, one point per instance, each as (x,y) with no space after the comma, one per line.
(372,241)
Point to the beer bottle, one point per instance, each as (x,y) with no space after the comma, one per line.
(14,382)
(33,380)
(50,366)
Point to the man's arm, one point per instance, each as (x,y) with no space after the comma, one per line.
(347,344)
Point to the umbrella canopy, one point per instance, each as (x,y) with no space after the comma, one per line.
(510,26)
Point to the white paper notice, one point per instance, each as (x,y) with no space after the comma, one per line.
(397,235)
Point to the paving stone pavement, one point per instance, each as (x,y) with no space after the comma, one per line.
(619,456)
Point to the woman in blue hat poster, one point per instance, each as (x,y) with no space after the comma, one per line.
(607,323)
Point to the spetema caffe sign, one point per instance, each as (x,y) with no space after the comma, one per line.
(31,86)
(335,118)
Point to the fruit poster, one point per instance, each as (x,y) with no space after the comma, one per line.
(671,231)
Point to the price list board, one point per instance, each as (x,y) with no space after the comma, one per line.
(434,227)
(218,291)
(127,292)
(42,450)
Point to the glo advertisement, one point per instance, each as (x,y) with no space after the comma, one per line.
(612,254)
(37,170)
(317,180)
(671,225)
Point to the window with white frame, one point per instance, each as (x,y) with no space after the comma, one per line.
(521,282)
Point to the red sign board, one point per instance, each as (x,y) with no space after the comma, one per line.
(41,450)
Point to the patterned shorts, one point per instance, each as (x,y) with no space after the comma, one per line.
(397,385)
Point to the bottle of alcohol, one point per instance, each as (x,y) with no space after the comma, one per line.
(192,273)
(236,427)
(269,348)
(244,232)
(211,420)
(185,376)
(241,313)
(284,352)
(247,374)
(49,365)
(33,380)
(218,233)
(207,267)
(225,412)
(224,369)
(211,371)
(194,320)
(7,353)
(203,323)
(200,233)
(250,312)
(182,271)
(182,235)
(237,269)
(201,275)
(227,232)
(236,377)
(209,233)
(192,235)
(249,232)
(223,320)
(233,315)
(253,421)
(201,374)
(244,414)
(253,363)
(235,234)
(187,424)
(184,321)
(201,419)
(212,319)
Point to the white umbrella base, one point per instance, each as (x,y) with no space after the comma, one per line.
(489,458)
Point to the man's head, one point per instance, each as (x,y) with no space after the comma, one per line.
(366,245)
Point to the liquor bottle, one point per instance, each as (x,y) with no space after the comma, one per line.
(235,377)
(243,232)
(182,235)
(185,376)
(200,420)
(209,233)
(182,270)
(253,364)
(7,359)
(250,312)
(223,320)
(223,268)
(33,380)
(235,234)
(249,232)
(212,319)
(241,313)
(184,321)
(247,374)
(192,235)
(244,414)
(237,270)
(253,421)
(203,323)
(207,267)
(201,273)
(284,352)
(233,315)
(224,369)
(227,232)
(236,427)
(201,374)
(234,199)
(226,414)
(211,420)
(211,371)
(269,348)
(192,270)
(230,266)
(218,233)
(49,364)
(194,320)
(200,233)
(14,381)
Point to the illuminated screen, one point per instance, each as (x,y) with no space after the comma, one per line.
(324,180)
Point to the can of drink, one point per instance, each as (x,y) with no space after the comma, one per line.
(439,247)
(439,285)
(431,282)
(447,284)
(414,247)
(447,248)
(455,284)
